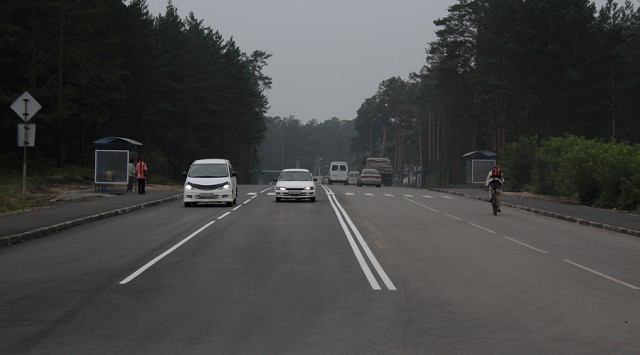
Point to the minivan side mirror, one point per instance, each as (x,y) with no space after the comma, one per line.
(315,179)
(184,173)
(233,174)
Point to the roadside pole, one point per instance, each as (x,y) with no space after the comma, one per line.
(26,107)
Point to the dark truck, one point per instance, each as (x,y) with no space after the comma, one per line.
(383,165)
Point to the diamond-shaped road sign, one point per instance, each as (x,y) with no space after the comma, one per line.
(25,106)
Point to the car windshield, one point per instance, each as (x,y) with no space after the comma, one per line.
(208,171)
(294,176)
(370,172)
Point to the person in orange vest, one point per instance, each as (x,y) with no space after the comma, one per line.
(141,172)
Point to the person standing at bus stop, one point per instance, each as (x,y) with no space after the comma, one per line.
(141,172)
(131,172)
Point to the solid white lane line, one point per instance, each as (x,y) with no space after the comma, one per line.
(363,264)
(267,189)
(365,247)
(483,228)
(452,216)
(527,245)
(159,257)
(224,215)
(421,205)
(602,275)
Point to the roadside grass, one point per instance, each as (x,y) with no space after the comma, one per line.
(40,186)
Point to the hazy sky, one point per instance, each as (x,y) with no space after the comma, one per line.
(328,55)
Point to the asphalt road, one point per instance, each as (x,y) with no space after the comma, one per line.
(362,270)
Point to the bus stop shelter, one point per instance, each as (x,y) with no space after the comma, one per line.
(112,156)
(477,165)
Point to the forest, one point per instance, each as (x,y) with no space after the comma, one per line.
(105,68)
(498,73)
(501,71)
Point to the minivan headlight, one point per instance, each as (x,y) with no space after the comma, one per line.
(188,186)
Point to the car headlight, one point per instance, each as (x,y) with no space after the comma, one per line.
(308,188)
(281,188)
(188,187)
(225,186)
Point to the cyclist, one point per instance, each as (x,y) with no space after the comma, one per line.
(495,180)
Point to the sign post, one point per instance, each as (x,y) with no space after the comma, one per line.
(26,107)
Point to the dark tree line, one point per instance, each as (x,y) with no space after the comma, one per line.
(102,68)
(501,70)
(289,143)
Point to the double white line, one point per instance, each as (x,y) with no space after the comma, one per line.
(344,219)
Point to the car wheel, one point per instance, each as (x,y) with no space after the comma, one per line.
(187,204)
(229,204)
(313,199)
(278,199)
(330,182)
(378,185)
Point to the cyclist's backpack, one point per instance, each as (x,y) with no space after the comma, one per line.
(496,172)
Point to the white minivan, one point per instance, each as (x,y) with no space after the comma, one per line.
(338,172)
(210,180)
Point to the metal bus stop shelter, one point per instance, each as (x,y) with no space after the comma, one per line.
(478,163)
(112,156)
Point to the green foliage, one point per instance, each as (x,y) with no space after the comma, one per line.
(594,172)
(516,160)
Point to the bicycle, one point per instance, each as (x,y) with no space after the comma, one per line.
(494,202)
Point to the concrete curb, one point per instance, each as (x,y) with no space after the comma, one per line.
(42,232)
(570,219)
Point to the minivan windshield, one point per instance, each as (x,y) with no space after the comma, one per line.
(294,176)
(208,171)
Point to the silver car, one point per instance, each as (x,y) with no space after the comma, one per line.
(295,184)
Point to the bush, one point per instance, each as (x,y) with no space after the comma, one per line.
(594,172)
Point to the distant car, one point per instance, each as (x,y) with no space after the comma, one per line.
(353,177)
(325,180)
(370,177)
(210,180)
(295,184)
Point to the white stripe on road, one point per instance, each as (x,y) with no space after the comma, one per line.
(389,195)
(527,245)
(447,197)
(452,216)
(159,257)
(224,215)
(367,250)
(409,196)
(427,196)
(483,228)
(363,264)
(602,275)
(421,205)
